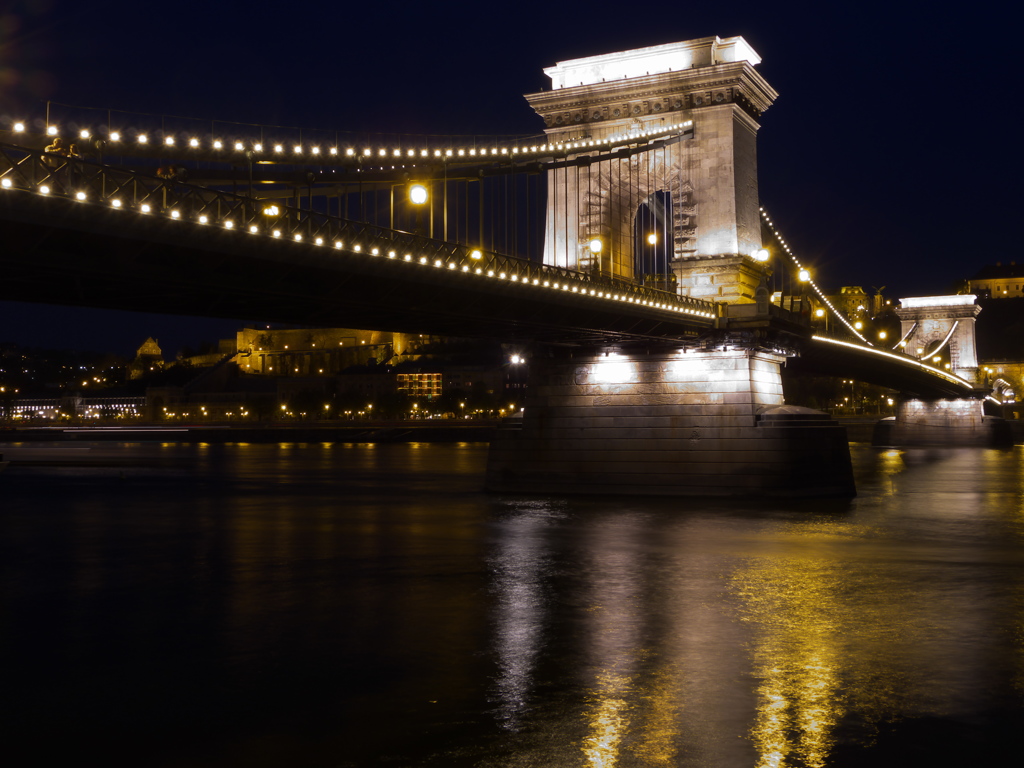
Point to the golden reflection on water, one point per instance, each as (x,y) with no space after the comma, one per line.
(781,640)
(795,657)
(614,635)
(641,711)
(608,721)
(890,464)
(660,714)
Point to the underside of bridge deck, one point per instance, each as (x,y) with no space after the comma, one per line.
(820,357)
(86,255)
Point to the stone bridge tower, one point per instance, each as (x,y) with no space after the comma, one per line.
(696,191)
(941,326)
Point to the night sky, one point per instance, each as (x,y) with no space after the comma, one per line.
(887,160)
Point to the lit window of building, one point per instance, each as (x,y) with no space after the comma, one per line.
(420,384)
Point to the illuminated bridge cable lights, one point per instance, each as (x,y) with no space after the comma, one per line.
(906,360)
(213,143)
(903,341)
(810,281)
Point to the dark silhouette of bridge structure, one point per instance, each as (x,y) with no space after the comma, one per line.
(626,245)
(81,233)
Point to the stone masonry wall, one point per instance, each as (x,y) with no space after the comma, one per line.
(671,423)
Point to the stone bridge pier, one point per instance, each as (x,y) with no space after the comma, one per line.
(940,331)
(669,422)
(962,422)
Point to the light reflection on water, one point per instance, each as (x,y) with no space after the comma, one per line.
(318,604)
(805,630)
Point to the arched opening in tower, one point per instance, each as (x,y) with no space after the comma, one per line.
(653,241)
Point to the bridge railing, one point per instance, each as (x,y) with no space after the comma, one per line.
(169,194)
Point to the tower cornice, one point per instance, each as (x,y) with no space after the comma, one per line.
(658,95)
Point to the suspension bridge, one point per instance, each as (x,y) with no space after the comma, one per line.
(626,243)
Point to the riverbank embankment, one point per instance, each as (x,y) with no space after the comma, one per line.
(304,432)
(859,429)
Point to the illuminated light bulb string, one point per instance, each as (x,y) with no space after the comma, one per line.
(280,150)
(821,295)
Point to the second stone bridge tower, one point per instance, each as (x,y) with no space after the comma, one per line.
(685,212)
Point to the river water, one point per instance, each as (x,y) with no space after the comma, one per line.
(368,605)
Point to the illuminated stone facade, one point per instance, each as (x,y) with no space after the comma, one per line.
(856,304)
(148,358)
(707,171)
(1006,379)
(671,423)
(940,331)
(321,351)
(943,422)
(943,327)
(999,281)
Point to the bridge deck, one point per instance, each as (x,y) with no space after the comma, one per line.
(57,251)
(140,243)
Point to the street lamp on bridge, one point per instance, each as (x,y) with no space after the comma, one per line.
(418,196)
(804,276)
(596,246)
